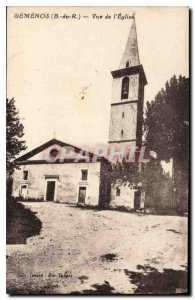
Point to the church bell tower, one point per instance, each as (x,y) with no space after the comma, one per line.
(129,80)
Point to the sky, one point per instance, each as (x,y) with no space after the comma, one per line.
(58,70)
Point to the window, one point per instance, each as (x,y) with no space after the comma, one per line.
(54,152)
(84,174)
(125,88)
(122,132)
(118,192)
(123,114)
(127,64)
(25,175)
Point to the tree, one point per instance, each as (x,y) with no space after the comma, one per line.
(14,134)
(167,118)
(167,129)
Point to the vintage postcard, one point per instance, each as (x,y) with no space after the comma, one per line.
(97,150)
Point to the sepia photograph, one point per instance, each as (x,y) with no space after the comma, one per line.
(97,150)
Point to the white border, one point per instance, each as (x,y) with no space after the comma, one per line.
(99,3)
(3,5)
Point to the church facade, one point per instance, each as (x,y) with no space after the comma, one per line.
(76,179)
(85,181)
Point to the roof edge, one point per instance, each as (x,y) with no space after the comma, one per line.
(46,145)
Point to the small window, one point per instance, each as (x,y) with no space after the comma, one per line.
(25,175)
(125,88)
(123,114)
(127,64)
(84,174)
(122,132)
(54,152)
(118,192)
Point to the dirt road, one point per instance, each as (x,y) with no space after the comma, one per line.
(99,252)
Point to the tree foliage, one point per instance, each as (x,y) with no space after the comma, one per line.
(167,132)
(14,133)
(143,176)
(167,121)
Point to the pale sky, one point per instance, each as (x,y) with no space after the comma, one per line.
(50,62)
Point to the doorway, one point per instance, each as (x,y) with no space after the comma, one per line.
(137,199)
(24,191)
(82,194)
(50,191)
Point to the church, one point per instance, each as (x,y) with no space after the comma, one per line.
(84,181)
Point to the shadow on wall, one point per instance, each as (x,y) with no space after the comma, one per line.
(21,223)
(21,199)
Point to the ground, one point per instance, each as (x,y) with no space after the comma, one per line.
(99,252)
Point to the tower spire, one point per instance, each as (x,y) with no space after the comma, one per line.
(126,117)
(131,53)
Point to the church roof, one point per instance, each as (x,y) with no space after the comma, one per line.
(26,158)
(131,53)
